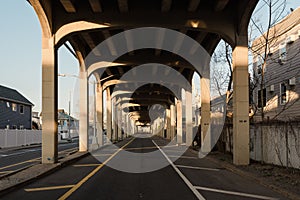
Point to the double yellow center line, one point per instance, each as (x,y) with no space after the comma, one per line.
(80,183)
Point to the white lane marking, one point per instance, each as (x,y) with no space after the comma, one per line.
(187,157)
(31,150)
(15,154)
(87,165)
(99,155)
(201,168)
(235,193)
(172,150)
(187,182)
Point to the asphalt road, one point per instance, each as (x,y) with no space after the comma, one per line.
(13,159)
(185,178)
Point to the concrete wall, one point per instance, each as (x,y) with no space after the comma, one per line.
(281,143)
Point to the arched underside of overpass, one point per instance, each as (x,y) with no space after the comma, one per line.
(85,24)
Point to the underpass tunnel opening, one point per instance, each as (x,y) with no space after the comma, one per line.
(127,63)
(145,104)
(174,66)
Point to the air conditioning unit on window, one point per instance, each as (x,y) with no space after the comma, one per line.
(290,39)
(292,81)
(271,88)
(280,61)
(271,51)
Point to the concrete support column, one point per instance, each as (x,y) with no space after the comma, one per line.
(115,121)
(173,121)
(128,125)
(179,121)
(163,125)
(125,125)
(205,115)
(84,113)
(49,101)
(109,115)
(188,118)
(240,103)
(119,113)
(99,107)
(168,124)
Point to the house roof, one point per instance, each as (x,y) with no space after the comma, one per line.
(13,95)
(279,31)
(63,115)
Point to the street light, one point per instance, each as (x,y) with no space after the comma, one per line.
(69,124)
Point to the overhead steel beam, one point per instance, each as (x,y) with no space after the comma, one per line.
(110,43)
(123,6)
(193,5)
(220,5)
(90,42)
(166,5)
(68,6)
(96,6)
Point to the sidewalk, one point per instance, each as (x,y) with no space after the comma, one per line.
(283,180)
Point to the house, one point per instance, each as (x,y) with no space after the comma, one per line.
(15,110)
(67,125)
(281,74)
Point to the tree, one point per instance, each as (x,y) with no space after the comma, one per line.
(222,73)
(272,11)
(262,46)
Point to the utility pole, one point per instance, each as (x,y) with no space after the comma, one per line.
(69,125)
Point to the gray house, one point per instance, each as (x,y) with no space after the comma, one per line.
(281,91)
(15,110)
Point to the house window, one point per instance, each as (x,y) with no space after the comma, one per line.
(264,98)
(7,104)
(283,93)
(282,53)
(259,63)
(14,107)
(21,109)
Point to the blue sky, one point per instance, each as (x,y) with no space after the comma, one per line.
(20,53)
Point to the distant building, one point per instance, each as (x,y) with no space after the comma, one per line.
(281,91)
(36,122)
(15,110)
(67,125)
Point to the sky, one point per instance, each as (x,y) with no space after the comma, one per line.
(20,54)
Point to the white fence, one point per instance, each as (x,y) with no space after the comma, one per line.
(14,138)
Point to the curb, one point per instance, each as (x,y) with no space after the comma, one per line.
(20,147)
(14,182)
(250,176)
